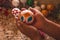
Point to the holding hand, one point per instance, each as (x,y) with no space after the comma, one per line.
(32,29)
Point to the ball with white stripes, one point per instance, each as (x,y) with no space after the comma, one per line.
(15,12)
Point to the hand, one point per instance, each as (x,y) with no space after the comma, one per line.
(39,18)
(32,30)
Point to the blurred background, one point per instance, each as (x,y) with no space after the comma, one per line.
(8,29)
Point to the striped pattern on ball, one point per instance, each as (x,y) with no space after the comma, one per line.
(15,11)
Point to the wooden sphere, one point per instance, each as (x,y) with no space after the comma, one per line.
(26,16)
(16,12)
(43,6)
(44,12)
(15,3)
(50,7)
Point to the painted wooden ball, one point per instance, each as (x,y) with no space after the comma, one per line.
(44,12)
(15,12)
(50,7)
(43,6)
(15,3)
(26,16)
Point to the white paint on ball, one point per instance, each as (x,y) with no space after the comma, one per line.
(15,12)
(42,6)
(25,11)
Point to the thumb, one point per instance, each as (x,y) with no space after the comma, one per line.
(35,11)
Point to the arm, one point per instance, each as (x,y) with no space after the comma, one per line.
(52,29)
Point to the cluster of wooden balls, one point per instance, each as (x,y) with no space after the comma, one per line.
(45,9)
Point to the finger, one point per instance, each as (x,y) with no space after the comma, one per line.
(23,9)
(31,9)
(23,24)
(35,11)
(18,23)
(19,26)
(27,27)
(38,14)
